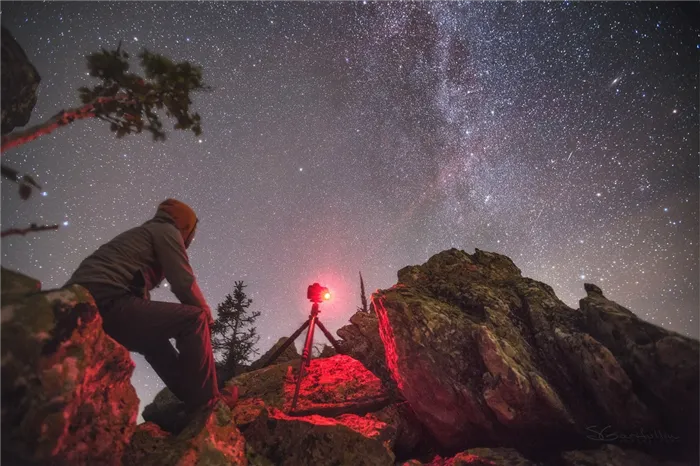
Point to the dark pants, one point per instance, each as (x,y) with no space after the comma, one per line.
(146,327)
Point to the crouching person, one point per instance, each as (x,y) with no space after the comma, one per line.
(120,275)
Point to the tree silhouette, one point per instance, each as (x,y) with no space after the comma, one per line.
(363,297)
(128,102)
(231,339)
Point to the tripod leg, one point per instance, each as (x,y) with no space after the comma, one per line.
(328,335)
(305,358)
(286,344)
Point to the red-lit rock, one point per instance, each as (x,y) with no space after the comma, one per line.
(360,339)
(67,397)
(210,438)
(330,386)
(290,441)
(478,457)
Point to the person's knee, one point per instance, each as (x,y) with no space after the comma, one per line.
(197,314)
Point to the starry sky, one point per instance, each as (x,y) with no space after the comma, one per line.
(348,137)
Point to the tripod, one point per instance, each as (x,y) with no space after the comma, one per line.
(306,354)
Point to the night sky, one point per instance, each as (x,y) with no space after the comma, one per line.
(347,137)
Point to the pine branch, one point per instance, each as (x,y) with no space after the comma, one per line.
(32,227)
(62,118)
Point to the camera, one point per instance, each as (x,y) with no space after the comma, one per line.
(317,293)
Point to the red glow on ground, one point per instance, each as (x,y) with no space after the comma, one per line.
(367,425)
(331,382)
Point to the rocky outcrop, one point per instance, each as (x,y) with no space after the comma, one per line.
(661,365)
(67,397)
(210,438)
(486,367)
(360,339)
(507,363)
(20,81)
(291,441)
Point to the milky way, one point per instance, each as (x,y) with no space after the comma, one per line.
(342,137)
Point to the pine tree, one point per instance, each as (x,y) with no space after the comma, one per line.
(363,297)
(128,102)
(233,336)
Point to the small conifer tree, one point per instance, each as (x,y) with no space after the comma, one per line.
(233,335)
(363,296)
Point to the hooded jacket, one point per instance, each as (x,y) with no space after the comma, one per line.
(137,260)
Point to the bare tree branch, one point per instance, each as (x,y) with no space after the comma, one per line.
(32,227)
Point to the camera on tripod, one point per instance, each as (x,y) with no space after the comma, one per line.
(317,293)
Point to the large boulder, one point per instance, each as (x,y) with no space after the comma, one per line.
(661,364)
(20,81)
(67,397)
(506,363)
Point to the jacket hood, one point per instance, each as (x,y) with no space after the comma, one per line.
(181,215)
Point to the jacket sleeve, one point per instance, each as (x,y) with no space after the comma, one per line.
(172,256)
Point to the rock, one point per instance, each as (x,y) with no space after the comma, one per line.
(459,328)
(611,455)
(598,369)
(492,369)
(497,456)
(361,341)
(147,441)
(479,457)
(335,392)
(330,386)
(409,433)
(166,411)
(592,290)
(14,285)
(20,81)
(210,438)
(67,397)
(292,441)
(663,366)
(506,363)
